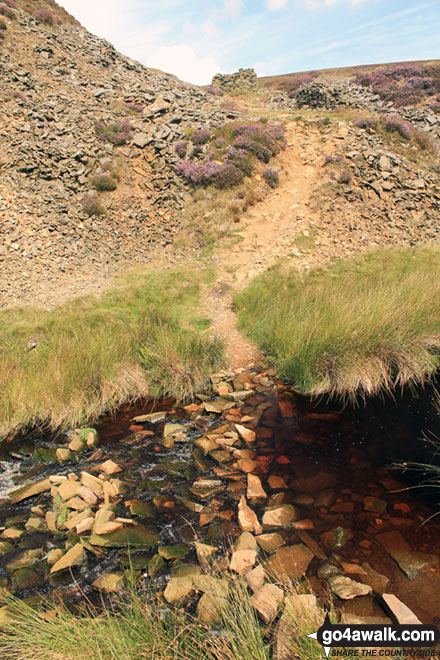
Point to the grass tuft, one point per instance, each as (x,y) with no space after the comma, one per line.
(64,367)
(360,326)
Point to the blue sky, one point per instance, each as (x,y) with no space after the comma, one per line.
(196,38)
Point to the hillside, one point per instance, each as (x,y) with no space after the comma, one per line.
(61,91)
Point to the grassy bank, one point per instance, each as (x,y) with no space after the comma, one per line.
(360,326)
(63,367)
(136,630)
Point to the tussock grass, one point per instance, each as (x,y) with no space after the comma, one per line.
(360,326)
(94,353)
(135,629)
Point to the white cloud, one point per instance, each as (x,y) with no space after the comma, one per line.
(182,60)
(210,29)
(232,8)
(318,4)
(276,5)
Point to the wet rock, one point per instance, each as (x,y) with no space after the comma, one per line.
(281,516)
(247,518)
(288,563)
(243,561)
(76,556)
(267,601)
(6,547)
(207,487)
(255,578)
(254,487)
(211,585)
(205,553)
(12,533)
(325,498)
(377,581)
(30,490)
(413,563)
(178,589)
(375,505)
(399,611)
(246,541)
(327,570)
(36,524)
(270,542)
(92,482)
(276,482)
(319,482)
(109,467)
(336,538)
(169,552)
(25,559)
(27,578)
(109,583)
(136,537)
(346,588)
(152,418)
(247,434)
(69,489)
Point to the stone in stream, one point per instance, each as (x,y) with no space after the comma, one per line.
(6,547)
(77,503)
(178,589)
(25,559)
(242,561)
(75,520)
(85,525)
(298,608)
(319,482)
(12,533)
(375,505)
(92,482)
(270,542)
(69,489)
(411,563)
(30,490)
(109,467)
(254,488)
(377,581)
(76,556)
(325,498)
(136,537)
(27,578)
(109,583)
(247,519)
(400,612)
(246,541)
(346,588)
(36,524)
(212,585)
(206,487)
(210,607)
(336,538)
(267,601)
(151,418)
(64,455)
(205,553)
(247,434)
(169,552)
(155,565)
(255,578)
(281,516)
(290,562)
(54,555)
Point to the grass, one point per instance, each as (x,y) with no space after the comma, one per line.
(360,326)
(92,354)
(136,629)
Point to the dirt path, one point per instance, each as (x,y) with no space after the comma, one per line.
(271,231)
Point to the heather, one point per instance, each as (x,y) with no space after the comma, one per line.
(403,84)
(94,353)
(233,150)
(271,176)
(395,127)
(103,183)
(44,15)
(7,11)
(360,326)
(92,206)
(117,132)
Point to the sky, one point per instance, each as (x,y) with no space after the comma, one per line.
(194,39)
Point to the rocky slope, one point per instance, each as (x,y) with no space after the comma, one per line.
(55,88)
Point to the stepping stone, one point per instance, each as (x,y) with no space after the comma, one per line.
(76,556)
(210,607)
(267,601)
(247,519)
(281,516)
(289,563)
(109,583)
(400,611)
(178,589)
(346,588)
